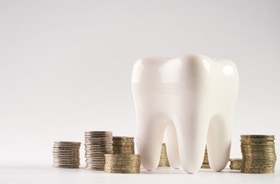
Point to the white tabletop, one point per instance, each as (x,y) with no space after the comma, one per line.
(46,174)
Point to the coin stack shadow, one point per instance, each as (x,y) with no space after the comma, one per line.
(123,160)
(205,163)
(123,145)
(97,143)
(66,154)
(163,162)
(235,164)
(258,152)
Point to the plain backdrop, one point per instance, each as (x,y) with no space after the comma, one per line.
(65,65)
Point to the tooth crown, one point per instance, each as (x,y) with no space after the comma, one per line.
(189,97)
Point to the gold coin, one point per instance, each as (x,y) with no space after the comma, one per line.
(258,144)
(122,163)
(235,164)
(205,166)
(257,136)
(163,162)
(205,163)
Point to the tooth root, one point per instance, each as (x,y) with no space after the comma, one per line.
(149,141)
(219,142)
(192,134)
(172,146)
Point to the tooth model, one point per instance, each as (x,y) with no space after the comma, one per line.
(191,98)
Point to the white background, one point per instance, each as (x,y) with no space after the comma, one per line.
(65,66)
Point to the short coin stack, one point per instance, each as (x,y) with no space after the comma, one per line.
(66,154)
(97,143)
(235,164)
(163,162)
(122,163)
(205,163)
(123,145)
(258,153)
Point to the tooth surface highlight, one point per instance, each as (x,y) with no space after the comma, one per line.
(193,97)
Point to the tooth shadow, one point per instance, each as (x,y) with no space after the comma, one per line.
(173,171)
(163,171)
(223,171)
(231,171)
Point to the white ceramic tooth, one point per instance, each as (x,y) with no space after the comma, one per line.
(149,140)
(172,146)
(191,96)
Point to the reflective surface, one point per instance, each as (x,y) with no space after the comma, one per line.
(27,174)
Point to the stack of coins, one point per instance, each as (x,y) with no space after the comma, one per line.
(205,163)
(122,163)
(97,143)
(258,152)
(235,164)
(163,162)
(66,154)
(123,145)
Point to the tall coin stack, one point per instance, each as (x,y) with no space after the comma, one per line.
(122,163)
(163,162)
(97,143)
(258,152)
(123,145)
(66,154)
(205,163)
